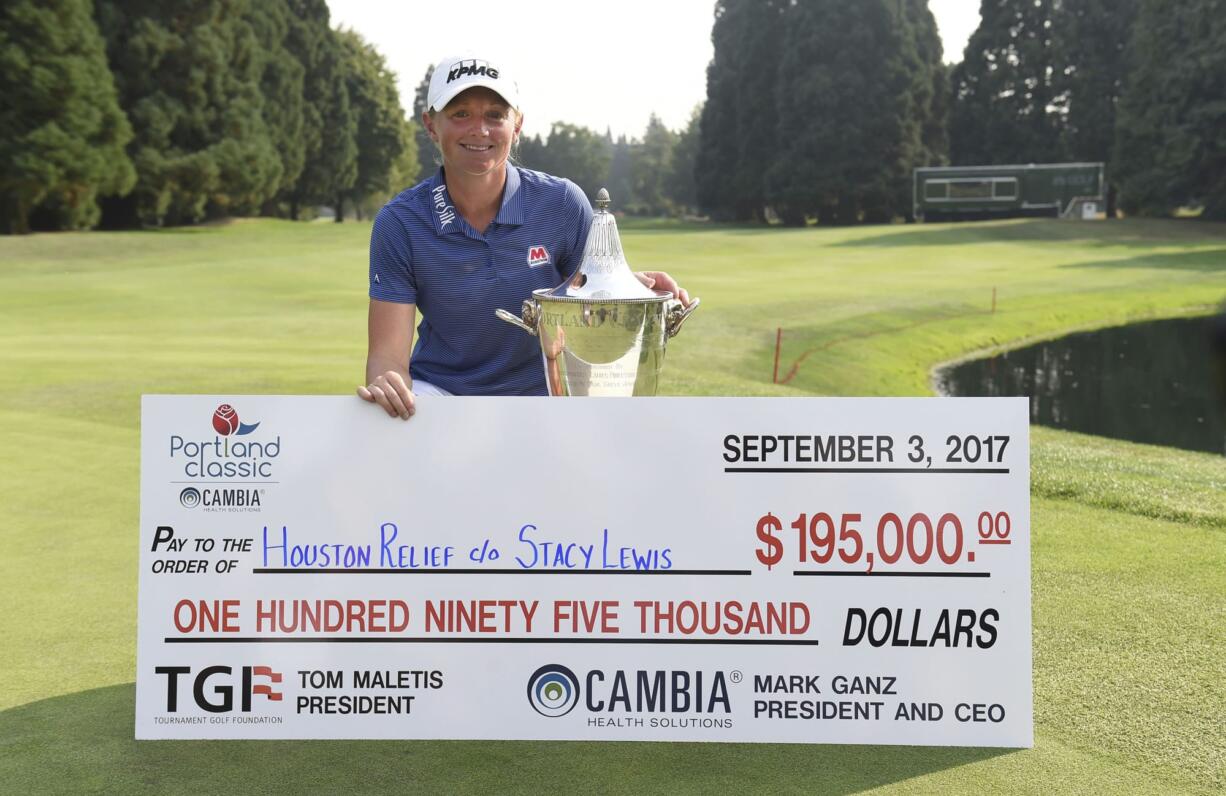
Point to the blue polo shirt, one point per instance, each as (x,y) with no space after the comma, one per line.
(423,252)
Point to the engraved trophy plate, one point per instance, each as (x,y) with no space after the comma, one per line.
(602,331)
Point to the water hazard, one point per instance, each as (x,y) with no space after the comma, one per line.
(1152,382)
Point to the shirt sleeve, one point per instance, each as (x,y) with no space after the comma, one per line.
(391,260)
(577,216)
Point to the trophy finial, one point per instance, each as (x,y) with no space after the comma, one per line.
(602,199)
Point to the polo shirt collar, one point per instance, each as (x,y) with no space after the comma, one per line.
(443,213)
(512,210)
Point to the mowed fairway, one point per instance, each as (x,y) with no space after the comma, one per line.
(1129,581)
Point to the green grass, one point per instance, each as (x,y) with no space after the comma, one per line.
(1129,592)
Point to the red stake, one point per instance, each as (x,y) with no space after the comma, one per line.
(778,341)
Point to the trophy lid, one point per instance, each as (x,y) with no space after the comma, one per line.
(603,273)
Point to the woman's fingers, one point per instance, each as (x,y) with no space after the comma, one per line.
(382,398)
(390,392)
(662,281)
(401,395)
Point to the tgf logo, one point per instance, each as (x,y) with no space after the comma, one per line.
(221,698)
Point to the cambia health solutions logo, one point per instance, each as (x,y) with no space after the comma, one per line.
(661,698)
(225,471)
(553,690)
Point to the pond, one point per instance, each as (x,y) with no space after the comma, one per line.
(1148,382)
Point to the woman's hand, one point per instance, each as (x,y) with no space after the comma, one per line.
(390,391)
(662,281)
(390,333)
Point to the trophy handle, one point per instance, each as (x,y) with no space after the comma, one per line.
(677,313)
(531,312)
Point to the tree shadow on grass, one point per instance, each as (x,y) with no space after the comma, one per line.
(1204,261)
(1134,233)
(84,743)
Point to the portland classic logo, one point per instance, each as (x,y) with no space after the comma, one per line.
(225,422)
(232,452)
(553,690)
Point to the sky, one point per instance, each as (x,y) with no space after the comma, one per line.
(602,65)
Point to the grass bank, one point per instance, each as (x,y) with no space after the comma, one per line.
(1128,540)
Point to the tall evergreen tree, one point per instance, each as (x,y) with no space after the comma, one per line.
(738,136)
(380,123)
(578,154)
(1093,36)
(681,189)
(755,79)
(426,153)
(719,147)
(936,125)
(188,76)
(931,94)
(650,170)
(62,133)
(405,167)
(401,175)
(918,110)
(619,181)
(329,128)
(1171,124)
(281,88)
(1007,107)
(529,153)
(849,126)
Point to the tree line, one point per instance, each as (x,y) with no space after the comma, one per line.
(127,113)
(1136,84)
(822,108)
(133,112)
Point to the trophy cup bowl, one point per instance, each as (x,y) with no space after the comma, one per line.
(602,331)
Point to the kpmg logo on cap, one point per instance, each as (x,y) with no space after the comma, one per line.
(473,67)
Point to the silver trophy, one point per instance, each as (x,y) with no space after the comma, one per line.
(602,331)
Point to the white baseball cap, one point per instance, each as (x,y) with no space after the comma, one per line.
(453,75)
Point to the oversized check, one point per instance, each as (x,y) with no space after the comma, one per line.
(702,569)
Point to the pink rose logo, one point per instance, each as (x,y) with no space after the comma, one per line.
(226,422)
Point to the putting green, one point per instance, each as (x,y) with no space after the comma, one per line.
(1128,553)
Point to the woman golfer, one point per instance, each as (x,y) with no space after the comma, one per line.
(478,235)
